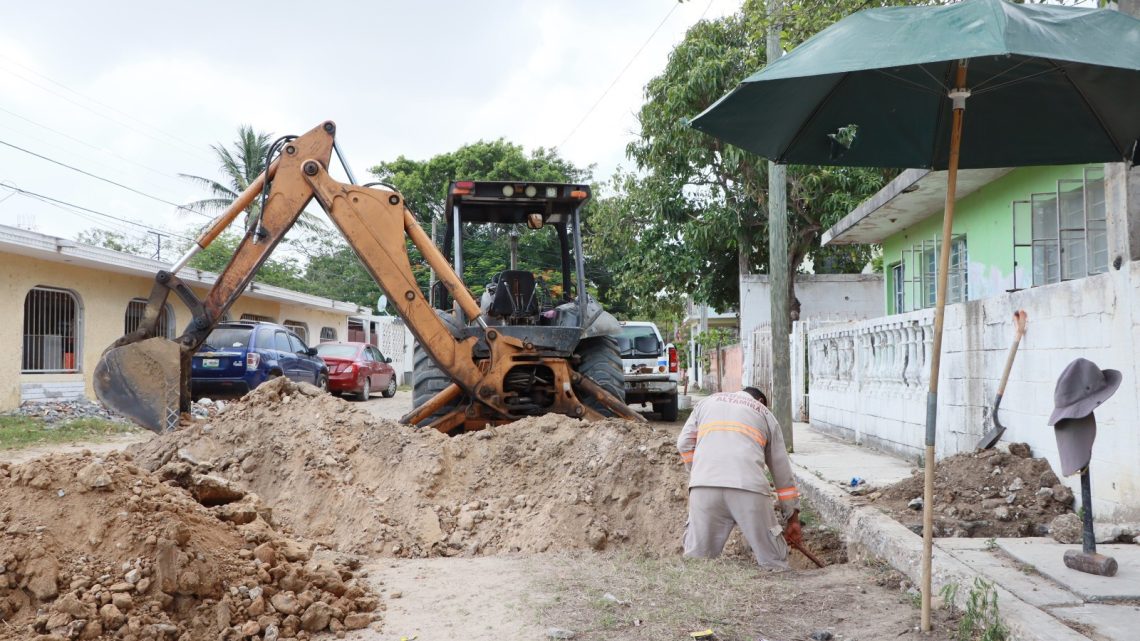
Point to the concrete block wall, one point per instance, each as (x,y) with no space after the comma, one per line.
(1097,318)
(824,298)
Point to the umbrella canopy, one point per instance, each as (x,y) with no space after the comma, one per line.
(1049,85)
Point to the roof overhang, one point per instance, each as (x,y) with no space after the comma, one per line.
(14,240)
(913,197)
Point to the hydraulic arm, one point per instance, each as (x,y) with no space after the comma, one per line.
(148,378)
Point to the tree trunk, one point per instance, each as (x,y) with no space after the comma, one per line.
(744,248)
(781,392)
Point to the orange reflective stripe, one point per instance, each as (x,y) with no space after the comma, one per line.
(688,456)
(732,426)
(787,493)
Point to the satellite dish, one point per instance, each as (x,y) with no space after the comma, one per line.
(382,304)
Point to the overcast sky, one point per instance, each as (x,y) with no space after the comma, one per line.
(135,92)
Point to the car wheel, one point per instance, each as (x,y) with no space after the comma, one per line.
(323,382)
(365,390)
(668,409)
(390,391)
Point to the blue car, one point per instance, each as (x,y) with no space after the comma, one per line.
(239,356)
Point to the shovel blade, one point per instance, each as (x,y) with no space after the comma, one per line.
(141,381)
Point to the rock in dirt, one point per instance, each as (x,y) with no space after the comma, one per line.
(560,633)
(213,490)
(1020,450)
(1062,495)
(142,559)
(1067,528)
(333,472)
(93,476)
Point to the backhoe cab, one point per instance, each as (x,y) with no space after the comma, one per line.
(474,367)
(559,322)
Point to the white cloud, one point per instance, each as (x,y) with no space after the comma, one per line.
(412,79)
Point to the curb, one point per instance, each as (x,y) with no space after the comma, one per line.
(869,531)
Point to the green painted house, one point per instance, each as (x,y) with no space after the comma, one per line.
(1013,229)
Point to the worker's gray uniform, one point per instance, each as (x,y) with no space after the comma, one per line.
(727,443)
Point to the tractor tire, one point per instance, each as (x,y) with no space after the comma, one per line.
(429,379)
(600,360)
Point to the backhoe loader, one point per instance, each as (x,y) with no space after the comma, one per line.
(482,364)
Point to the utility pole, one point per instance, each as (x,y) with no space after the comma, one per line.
(431,279)
(157,244)
(778,264)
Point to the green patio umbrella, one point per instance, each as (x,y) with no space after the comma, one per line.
(888,87)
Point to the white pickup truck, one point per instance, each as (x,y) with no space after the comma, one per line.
(651,367)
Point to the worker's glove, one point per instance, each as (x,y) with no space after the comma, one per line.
(792,530)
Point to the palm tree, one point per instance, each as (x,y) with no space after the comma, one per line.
(241,167)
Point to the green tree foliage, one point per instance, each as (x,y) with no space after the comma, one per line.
(486,250)
(115,241)
(240,167)
(278,271)
(697,208)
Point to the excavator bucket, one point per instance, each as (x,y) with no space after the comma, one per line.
(141,381)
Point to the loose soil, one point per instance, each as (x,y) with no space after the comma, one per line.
(990,493)
(96,548)
(366,485)
(334,472)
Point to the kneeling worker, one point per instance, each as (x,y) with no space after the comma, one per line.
(727,443)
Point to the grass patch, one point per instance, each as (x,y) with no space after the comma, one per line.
(631,597)
(638,597)
(24,431)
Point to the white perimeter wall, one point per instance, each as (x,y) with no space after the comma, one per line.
(822,297)
(869,379)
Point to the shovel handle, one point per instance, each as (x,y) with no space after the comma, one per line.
(1019,320)
(811,557)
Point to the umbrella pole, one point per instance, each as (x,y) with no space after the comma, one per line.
(958,95)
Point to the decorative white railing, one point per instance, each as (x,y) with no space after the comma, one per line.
(889,355)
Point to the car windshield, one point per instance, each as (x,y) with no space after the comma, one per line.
(337,351)
(228,337)
(637,340)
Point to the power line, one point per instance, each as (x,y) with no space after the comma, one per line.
(622,72)
(56,201)
(183,146)
(87,144)
(106,180)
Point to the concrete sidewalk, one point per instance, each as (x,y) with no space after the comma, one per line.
(1038,597)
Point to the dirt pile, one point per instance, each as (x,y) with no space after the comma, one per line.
(364,485)
(98,548)
(983,494)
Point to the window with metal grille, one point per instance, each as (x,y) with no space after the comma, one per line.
(1062,233)
(328,334)
(135,310)
(918,275)
(52,332)
(898,290)
(258,317)
(299,328)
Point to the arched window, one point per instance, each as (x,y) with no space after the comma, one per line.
(328,334)
(299,328)
(135,310)
(53,334)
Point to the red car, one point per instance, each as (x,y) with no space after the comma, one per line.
(358,368)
